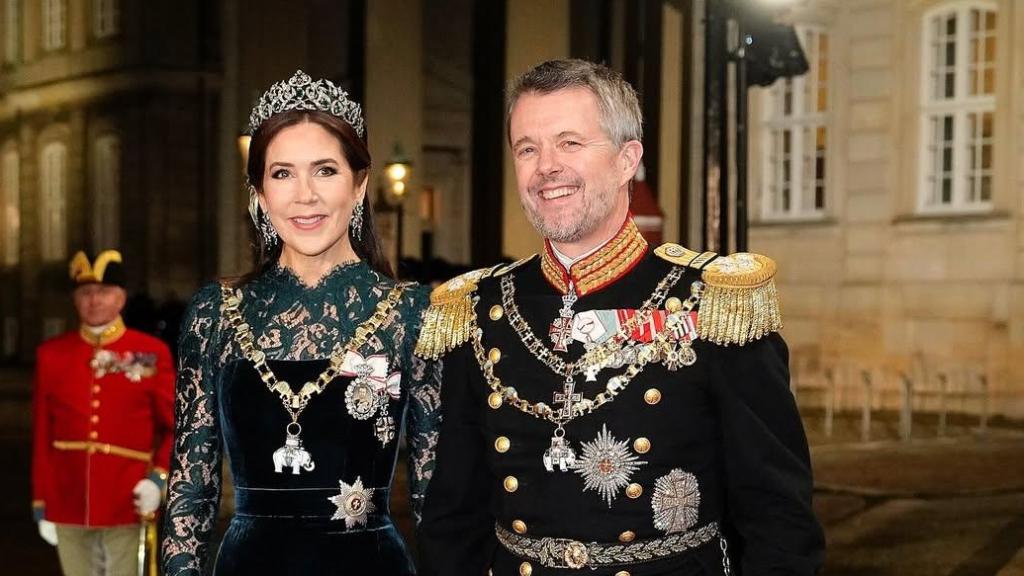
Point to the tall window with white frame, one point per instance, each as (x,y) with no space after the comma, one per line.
(53,202)
(795,141)
(11,202)
(55,24)
(106,18)
(12,31)
(106,191)
(958,108)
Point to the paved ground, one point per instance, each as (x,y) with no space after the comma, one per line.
(929,508)
(950,506)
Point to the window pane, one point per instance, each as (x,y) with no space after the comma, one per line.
(53,182)
(819,169)
(787,175)
(776,159)
(943,50)
(12,31)
(810,44)
(959,147)
(106,18)
(812,193)
(106,192)
(777,98)
(787,97)
(54,23)
(796,160)
(983,53)
(822,74)
(979,149)
(11,207)
(940,153)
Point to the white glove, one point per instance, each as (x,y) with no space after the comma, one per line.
(48,530)
(147,496)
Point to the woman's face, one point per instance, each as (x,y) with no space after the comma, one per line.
(309,190)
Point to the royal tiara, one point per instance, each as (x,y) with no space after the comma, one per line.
(300,92)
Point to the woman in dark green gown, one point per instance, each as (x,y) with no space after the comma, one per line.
(302,372)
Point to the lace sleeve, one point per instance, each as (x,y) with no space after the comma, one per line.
(424,414)
(193,490)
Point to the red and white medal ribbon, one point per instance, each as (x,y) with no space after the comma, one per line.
(596,326)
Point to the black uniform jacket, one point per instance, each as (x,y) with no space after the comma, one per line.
(729,420)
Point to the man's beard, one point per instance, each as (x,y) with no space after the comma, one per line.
(570,226)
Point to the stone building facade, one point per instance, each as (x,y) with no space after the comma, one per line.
(107,120)
(889,184)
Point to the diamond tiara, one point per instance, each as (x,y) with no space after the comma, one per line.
(300,92)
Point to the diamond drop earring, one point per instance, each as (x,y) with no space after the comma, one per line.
(355,226)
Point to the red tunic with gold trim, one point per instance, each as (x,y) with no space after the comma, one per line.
(103,420)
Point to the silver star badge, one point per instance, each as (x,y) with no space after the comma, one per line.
(607,465)
(354,503)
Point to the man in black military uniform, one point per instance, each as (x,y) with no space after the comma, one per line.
(609,408)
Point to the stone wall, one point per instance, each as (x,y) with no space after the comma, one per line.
(875,282)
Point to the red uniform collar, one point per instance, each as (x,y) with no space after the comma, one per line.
(609,263)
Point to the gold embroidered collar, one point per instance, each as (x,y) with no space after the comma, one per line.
(609,263)
(109,335)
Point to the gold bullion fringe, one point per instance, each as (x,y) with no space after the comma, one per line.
(738,314)
(448,322)
(445,326)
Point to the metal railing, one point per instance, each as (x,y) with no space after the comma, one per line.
(923,389)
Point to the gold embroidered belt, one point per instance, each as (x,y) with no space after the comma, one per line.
(94,447)
(566,553)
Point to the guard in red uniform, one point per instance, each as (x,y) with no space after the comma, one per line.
(103,422)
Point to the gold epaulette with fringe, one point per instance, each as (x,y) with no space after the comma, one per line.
(449,321)
(739,303)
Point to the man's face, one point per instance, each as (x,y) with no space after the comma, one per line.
(99,304)
(570,176)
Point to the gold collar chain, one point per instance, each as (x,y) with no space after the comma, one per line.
(600,351)
(657,349)
(296,403)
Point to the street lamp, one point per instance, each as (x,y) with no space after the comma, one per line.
(397,171)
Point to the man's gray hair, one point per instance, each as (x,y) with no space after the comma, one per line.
(621,118)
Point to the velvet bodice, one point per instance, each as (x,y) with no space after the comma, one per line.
(223,406)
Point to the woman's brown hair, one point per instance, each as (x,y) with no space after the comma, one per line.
(356,153)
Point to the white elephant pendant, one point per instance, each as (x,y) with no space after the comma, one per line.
(292,455)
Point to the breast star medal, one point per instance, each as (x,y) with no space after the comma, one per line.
(675,502)
(606,465)
(354,503)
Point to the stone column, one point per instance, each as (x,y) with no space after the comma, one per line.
(394,101)
(538,30)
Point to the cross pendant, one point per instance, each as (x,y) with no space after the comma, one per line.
(561,333)
(561,327)
(567,397)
